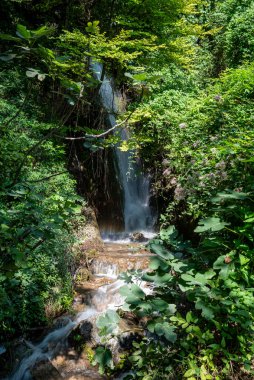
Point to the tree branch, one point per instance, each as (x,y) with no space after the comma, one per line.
(102,134)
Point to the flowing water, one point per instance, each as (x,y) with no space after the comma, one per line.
(138,215)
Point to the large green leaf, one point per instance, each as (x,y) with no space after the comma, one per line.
(158,278)
(103,358)
(207,311)
(210,224)
(161,251)
(156,262)
(230,195)
(108,322)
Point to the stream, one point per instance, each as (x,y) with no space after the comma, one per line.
(98,301)
(105,298)
(138,218)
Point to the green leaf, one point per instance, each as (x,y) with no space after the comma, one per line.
(189,373)
(225,269)
(4,227)
(158,278)
(210,224)
(23,32)
(156,262)
(207,311)
(161,305)
(232,195)
(103,357)
(8,37)
(108,322)
(31,73)
(161,251)
(92,27)
(243,260)
(166,330)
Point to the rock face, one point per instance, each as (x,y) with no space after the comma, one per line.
(88,235)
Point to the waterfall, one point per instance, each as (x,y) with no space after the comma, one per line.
(138,216)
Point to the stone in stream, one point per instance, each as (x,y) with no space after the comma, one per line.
(138,237)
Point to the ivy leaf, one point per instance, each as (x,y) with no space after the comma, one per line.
(210,224)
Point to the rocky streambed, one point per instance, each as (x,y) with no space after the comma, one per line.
(66,351)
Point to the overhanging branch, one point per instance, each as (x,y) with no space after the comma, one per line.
(101,134)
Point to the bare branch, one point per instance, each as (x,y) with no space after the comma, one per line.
(102,134)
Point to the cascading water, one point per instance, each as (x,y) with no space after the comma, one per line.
(138,216)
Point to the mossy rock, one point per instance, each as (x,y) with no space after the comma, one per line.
(83,275)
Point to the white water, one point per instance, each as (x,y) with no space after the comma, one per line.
(104,269)
(135,185)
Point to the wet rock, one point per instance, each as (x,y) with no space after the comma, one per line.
(88,235)
(60,322)
(138,237)
(43,370)
(85,332)
(73,365)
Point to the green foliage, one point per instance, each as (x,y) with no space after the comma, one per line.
(203,143)
(38,201)
(201,309)
(103,358)
(195,134)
